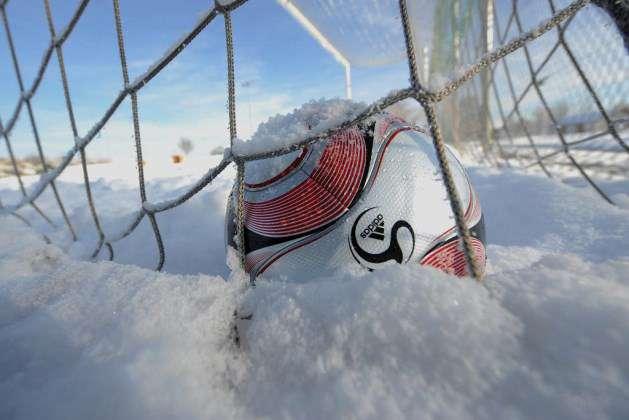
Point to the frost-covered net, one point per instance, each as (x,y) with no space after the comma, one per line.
(538,83)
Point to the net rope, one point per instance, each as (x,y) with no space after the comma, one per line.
(495,150)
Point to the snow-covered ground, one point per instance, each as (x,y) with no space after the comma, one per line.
(546,337)
(602,156)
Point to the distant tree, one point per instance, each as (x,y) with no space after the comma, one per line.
(541,123)
(186,145)
(218,150)
(620,111)
(561,111)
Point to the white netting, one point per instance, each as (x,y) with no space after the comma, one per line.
(372,24)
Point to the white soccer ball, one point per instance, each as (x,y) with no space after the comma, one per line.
(369,196)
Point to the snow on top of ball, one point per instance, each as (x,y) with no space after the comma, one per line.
(311,118)
(282,130)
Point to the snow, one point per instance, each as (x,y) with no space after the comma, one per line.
(310,119)
(545,337)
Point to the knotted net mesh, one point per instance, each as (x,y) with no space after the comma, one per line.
(537,84)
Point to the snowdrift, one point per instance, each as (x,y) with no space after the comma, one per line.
(546,337)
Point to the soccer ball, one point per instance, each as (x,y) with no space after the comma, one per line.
(369,196)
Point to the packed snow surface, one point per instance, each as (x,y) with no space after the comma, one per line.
(545,337)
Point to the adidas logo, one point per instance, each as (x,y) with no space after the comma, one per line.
(378,232)
(375,229)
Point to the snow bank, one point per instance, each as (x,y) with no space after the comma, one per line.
(550,342)
(546,338)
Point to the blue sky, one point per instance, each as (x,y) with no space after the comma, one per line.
(278,67)
(280,64)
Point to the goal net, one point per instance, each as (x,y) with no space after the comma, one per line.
(531,84)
